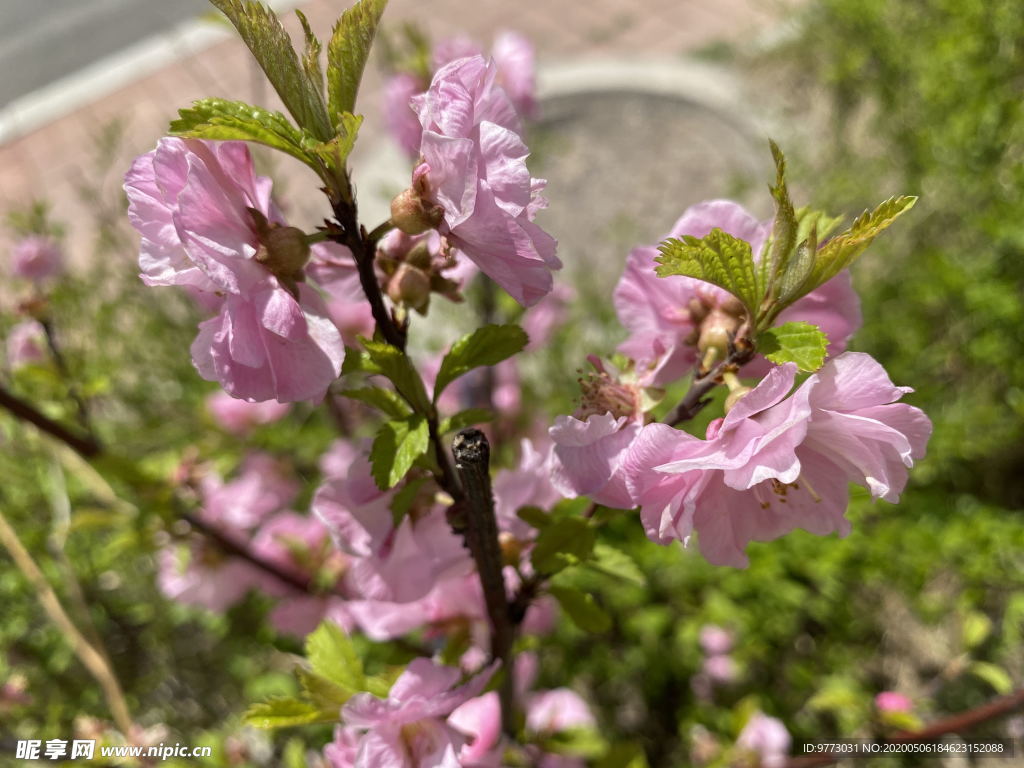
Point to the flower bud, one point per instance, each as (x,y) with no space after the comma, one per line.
(283,250)
(716,330)
(511,548)
(414,215)
(411,287)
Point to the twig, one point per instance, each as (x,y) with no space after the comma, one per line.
(86,446)
(93,660)
(957,723)
(84,419)
(695,401)
(472,462)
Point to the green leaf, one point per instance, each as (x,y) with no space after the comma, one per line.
(398,444)
(334,153)
(719,259)
(466,418)
(396,365)
(843,249)
(311,54)
(488,345)
(995,676)
(796,342)
(358,361)
(347,52)
(616,563)
(581,608)
(385,400)
(271,46)
(333,657)
(322,692)
(535,517)
(796,274)
(281,712)
(222,120)
(976,629)
(784,228)
(403,500)
(565,542)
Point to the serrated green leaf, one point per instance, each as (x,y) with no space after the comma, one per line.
(283,712)
(796,274)
(616,563)
(395,364)
(582,608)
(311,54)
(358,361)
(271,46)
(796,342)
(488,345)
(995,676)
(222,120)
(334,153)
(333,657)
(398,444)
(347,53)
(379,685)
(466,418)
(843,249)
(784,228)
(386,401)
(535,517)
(565,542)
(719,259)
(322,692)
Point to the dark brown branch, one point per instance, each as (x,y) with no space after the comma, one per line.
(87,445)
(958,723)
(695,401)
(472,461)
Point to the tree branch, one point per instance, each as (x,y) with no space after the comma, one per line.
(87,446)
(695,401)
(472,461)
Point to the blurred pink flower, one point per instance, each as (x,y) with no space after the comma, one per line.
(767,738)
(333,268)
(37,258)
(719,669)
(665,315)
(776,463)
(891,701)
(514,56)
(191,201)
(262,486)
(26,344)
(200,574)
(714,640)
(407,729)
(240,417)
(474,170)
(561,709)
(399,118)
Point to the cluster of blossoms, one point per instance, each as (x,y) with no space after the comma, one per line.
(36,262)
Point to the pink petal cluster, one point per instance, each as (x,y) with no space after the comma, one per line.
(190,201)
(240,417)
(767,738)
(474,170)
(37,258)
(893,701)
(262,486)
(664,315)
(778,461)
(387,563)
(333,268)
(513,57)
(408,729)
(26,344)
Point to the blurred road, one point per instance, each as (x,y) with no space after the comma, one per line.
(43,40)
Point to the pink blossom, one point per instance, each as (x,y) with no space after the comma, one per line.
(407,728)
(200,574)
(514,56)
(767,738)
(892,701)
(26,344)
(399,118)
(480,720)
(529,484)
(714,640)
(262,486)
(240,417)
(543,319)
(557,710)
(474,170)
(191,201)
(37,258)
(665,315)
(333,268)
(719,669)
(776,463)
(342,752)
(388,563)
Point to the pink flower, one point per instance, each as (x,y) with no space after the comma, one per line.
(388,563)
(715,641)
(592,444)
(407,728)
(474,171)
(557,710)
(480,720)
(333,268)
(891,701)
(262,486)
(776,463)
(665,316)
(200,574)
(37,258)
(26,344)
(529,484)
(719,669)
(192,202)
(514,56)
(767,738)
(399,118)
(240,417)
(542,320)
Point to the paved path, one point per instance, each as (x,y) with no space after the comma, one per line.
(57,159)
